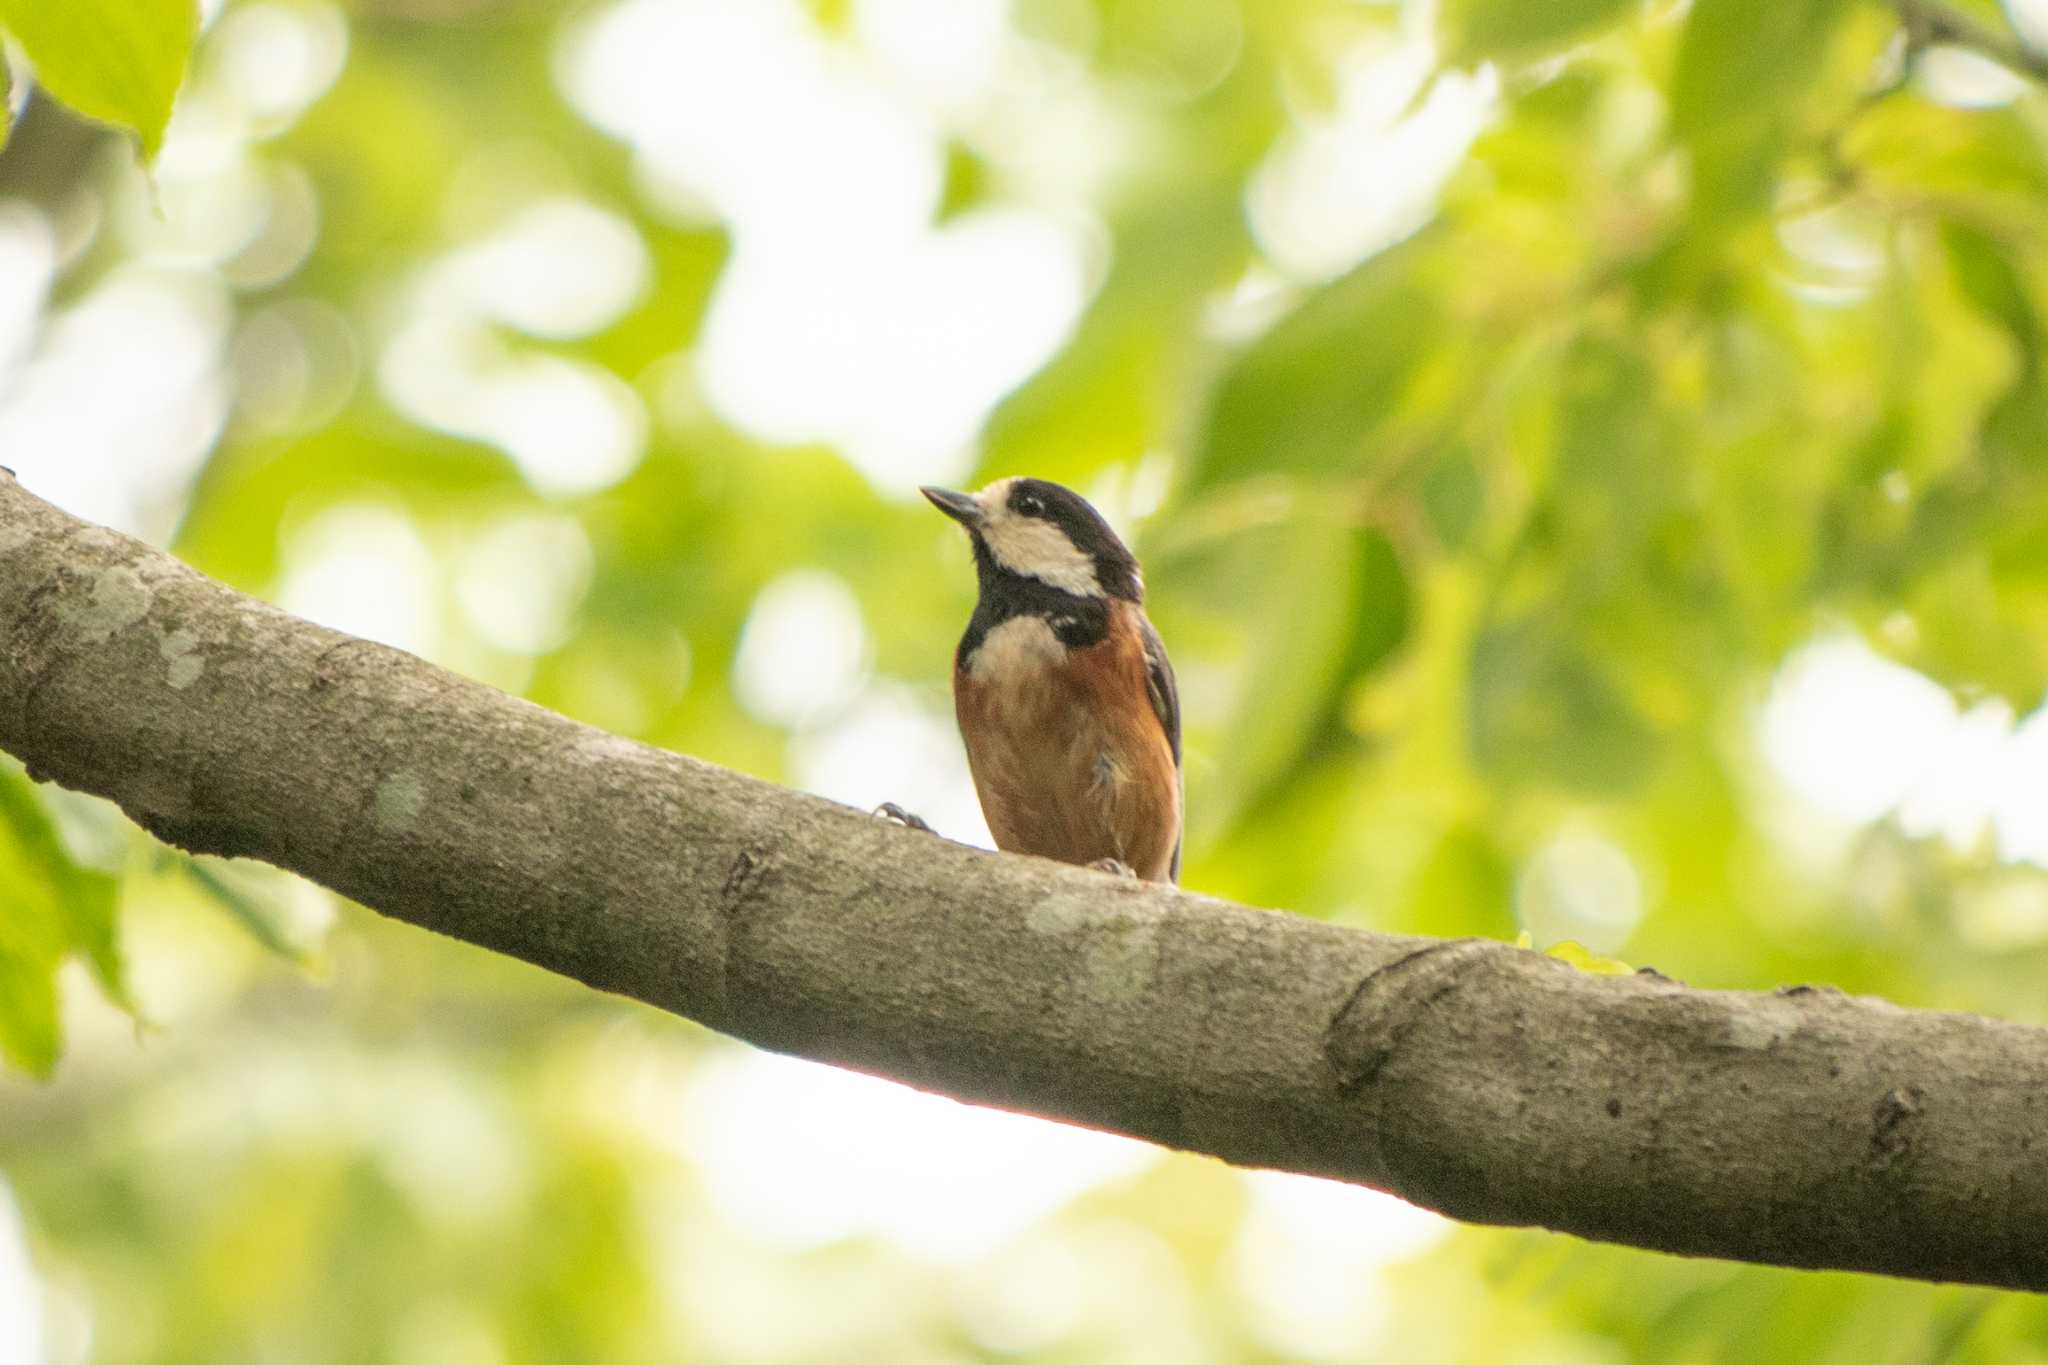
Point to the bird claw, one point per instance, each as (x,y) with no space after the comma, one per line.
(896,815)
(1115,867)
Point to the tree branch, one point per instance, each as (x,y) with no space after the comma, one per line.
(1928,23)
(1804,1128)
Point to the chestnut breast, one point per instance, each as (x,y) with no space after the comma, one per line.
(1069,757)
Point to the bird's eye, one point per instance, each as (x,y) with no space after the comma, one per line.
(1030,506)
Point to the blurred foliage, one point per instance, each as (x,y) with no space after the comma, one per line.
(1477,538)
(55,907)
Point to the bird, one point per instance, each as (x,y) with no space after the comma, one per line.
(1066,700)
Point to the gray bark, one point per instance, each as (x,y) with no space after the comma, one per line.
(1801,1128)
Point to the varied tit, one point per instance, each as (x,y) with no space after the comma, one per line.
(1065,698)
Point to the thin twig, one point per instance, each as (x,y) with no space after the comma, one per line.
(1928,23)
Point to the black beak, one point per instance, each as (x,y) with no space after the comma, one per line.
(961,507)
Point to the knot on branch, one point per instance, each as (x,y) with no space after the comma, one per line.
(741,877)
(1388,1005)
(1894,1121)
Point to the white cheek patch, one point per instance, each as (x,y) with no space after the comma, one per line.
(1040,549)
(1020,645)
(1033,547)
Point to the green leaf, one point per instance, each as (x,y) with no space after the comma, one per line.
(969,182)
(1543,711)
(1586,960)
(1741,65)
(50,908)
(1465,887)
(1986,162)
(33,937)
(1742,58)
(1453,495)
(119,61)
(29,1028)
(1578,955)
(1309,395)
(1509,30)
(1294,660)
(1297,655)
(85,897)
(1613,471)
(1989,280)
(1384,603)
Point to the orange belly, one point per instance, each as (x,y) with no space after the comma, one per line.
(1068,757)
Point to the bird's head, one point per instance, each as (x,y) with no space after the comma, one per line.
(1029,528)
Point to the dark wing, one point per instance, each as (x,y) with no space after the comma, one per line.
(1159,681)
(1166,705)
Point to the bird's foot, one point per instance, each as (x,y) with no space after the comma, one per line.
(896,815)
(1115,867)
